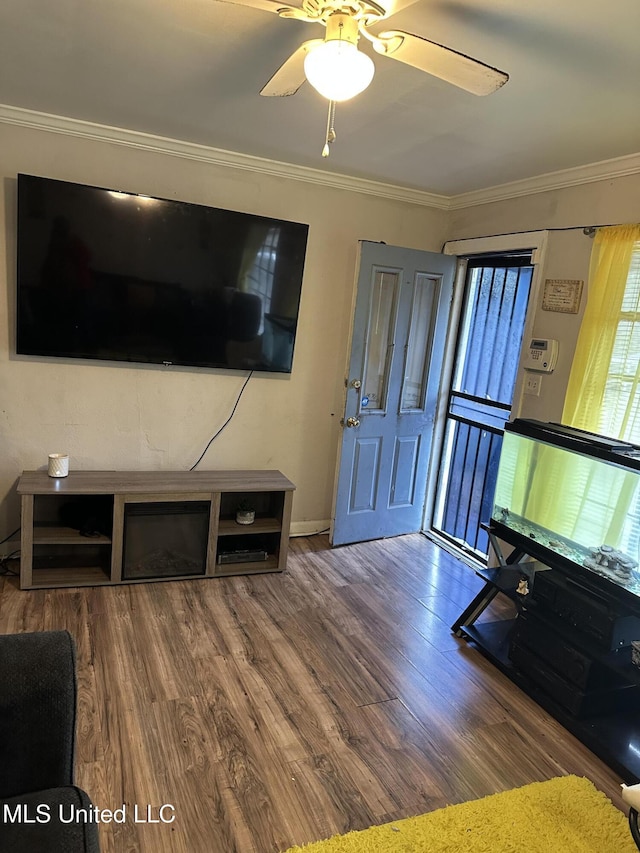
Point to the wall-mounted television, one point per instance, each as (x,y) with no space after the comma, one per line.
(104,274)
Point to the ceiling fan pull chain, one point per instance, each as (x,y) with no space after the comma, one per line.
(331,133)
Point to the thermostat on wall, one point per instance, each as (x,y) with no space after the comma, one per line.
(541,355)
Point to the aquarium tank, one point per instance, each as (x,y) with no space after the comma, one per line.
(570,499)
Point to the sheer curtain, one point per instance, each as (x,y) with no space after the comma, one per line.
(602,395)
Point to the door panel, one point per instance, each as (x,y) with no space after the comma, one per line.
(417,353)
(403,482)
(364,483)
(379,338)
(399,334)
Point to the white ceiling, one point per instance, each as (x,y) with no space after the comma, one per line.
(191,70)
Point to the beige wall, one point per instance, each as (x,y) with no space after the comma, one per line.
(606,202)
(567,255)
(119,417)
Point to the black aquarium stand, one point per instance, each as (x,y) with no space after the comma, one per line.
(564,661)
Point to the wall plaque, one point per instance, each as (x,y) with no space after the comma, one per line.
(562,294)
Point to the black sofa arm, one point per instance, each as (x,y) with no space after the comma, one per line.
(37,711)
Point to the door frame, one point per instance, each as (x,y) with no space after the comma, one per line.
(534,241)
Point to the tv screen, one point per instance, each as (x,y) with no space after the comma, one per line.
(109,275)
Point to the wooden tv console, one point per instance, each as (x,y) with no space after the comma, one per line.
(57,552)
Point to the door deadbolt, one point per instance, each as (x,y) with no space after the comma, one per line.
(356,383)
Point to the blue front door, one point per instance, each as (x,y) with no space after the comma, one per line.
(399,334)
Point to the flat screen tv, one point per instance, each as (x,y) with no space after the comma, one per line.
(104,274)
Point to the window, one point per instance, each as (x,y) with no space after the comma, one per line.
(620,412)
(602,395)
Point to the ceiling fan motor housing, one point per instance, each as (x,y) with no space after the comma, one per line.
(342,27)
(363,11)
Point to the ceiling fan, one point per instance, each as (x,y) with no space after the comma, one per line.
(338,70)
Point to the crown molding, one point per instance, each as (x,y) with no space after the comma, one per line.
(216,156)
(618,167)
(603,170)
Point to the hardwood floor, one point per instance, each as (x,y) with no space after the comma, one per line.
(280,709)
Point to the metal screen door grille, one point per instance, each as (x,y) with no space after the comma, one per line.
(481,395)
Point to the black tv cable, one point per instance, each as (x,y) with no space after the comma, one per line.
(215,435)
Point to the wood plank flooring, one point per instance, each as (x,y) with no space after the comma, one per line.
(279,709)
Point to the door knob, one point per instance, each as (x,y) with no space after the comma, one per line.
(352,422)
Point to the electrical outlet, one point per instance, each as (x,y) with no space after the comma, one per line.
(532,384)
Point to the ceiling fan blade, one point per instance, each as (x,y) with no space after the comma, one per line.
(456,68)
(290,76)
(265,5)
(392,7)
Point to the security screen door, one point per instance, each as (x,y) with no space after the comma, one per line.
(488,351)
(399,333)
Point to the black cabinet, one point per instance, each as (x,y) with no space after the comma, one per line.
(569,650)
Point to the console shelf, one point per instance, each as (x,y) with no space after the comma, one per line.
(111,527)
(48,535)
(230,527)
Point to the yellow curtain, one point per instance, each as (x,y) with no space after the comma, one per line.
(608,274)
(572,495)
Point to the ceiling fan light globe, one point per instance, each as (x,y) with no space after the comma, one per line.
(338,70)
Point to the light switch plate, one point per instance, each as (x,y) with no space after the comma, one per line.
(532,384)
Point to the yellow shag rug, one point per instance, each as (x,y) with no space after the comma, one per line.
(563,815)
